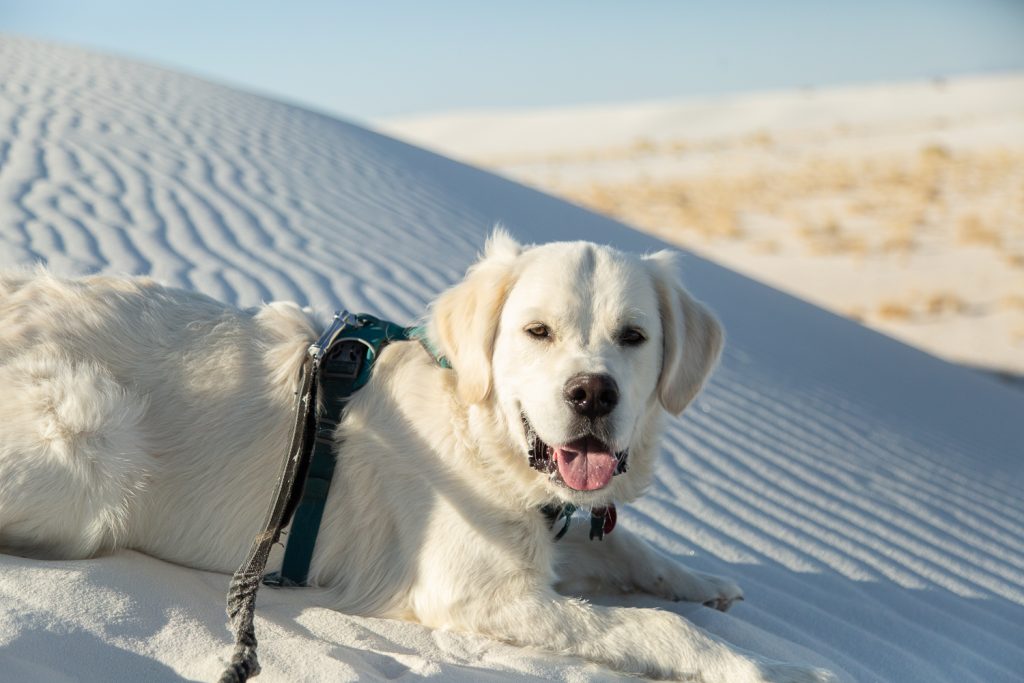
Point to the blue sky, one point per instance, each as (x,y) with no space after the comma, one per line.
(372,59)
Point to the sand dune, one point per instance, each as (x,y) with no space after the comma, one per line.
(865,494)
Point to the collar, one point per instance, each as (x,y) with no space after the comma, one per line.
(419,333)
(602,519)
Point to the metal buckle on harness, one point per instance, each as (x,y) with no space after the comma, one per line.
(323,344)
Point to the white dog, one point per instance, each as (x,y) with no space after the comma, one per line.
(138,416)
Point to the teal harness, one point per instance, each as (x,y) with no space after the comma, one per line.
(336,366)
(341,362)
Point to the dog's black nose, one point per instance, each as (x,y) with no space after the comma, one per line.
(592,395)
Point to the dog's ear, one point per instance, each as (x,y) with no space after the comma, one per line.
(691,337)
(464,320)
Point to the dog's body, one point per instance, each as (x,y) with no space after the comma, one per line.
(136,416)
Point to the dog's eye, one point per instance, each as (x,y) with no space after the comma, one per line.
(631,337)
(538,331)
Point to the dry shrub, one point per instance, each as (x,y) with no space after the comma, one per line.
(901,232)
(945,302)
(721,222)
(812,230)
(1013,301)
(829,238)
(761,138)
(901,243)
(766,247)
(972,230)
(1015,260)
(864,206)
(601,198)
(644,146)
(936,154)
(894,310)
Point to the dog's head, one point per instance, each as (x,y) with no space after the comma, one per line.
(576,348)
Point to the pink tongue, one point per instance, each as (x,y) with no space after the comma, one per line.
(585,465)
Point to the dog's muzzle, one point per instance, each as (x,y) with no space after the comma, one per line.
(583,464)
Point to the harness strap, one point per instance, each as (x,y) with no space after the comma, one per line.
(554,512)
(340,369)
(419,333)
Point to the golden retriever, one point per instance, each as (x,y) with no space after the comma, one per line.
(140,416)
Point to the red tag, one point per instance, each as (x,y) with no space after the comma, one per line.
(609,518)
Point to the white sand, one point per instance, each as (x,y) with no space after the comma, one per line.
(866,495)
(899,205)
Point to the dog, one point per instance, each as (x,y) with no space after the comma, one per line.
(145,417)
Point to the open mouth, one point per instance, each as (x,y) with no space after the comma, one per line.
(583,464)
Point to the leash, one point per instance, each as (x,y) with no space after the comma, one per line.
(335,367)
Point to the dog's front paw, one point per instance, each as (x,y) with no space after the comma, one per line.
(675,582)
(720,593)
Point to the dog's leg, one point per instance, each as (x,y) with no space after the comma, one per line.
(71,458)
(647,642)
(494,588)
(624,562)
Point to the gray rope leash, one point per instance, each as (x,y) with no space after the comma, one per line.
(241,603)
(241,610)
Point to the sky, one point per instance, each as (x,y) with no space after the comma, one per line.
(370,60)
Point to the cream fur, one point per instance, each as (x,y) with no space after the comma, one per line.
(138,416)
